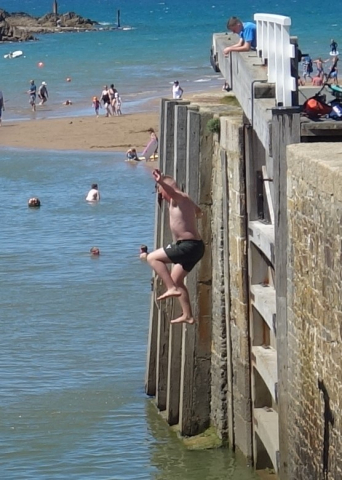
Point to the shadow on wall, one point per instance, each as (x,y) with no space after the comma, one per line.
(328,419)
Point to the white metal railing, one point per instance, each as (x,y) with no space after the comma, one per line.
(273,45)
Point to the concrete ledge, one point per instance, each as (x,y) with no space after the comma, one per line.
(262,235)
(266,426)
(264,300)
(321,127)
(265,362)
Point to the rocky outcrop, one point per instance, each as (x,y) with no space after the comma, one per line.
(19,26)
(10,33)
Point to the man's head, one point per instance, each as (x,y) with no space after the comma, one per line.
(234,24)
(176,83)
(32,82)
(44,83)
(94,185)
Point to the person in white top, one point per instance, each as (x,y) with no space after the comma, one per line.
(177,91)
(118,104)
(93,194)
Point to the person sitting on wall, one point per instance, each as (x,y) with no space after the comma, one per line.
(247,33)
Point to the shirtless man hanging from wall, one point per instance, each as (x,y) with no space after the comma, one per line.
(187,249)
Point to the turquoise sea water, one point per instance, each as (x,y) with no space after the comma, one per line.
(73,330)
(168,41)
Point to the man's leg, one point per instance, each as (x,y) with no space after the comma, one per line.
(158,260)
(178,275)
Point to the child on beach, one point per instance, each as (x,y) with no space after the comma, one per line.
(118,104)
(96,105)
(187,250)
(132,154)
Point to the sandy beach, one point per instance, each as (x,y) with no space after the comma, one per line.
(100,134)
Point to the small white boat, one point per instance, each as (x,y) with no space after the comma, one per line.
(17,53)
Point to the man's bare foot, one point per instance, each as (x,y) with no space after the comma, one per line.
(172,292)
(184,319)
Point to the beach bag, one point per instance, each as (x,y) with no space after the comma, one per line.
(316,107)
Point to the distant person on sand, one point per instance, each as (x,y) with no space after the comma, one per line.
(93,194)
(333,73)
(33,95)
(2,106)
(153,134)
(320,66)
(112,91)
(105,98)
(247,33)
(96,105)
(151,148)
(307,67)
(177,91)
(117,104)
(187,250)
(333,47)
(43,93)
(317,81)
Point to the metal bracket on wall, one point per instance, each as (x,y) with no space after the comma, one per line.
(260,194)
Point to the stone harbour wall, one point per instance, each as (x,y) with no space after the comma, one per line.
(314,193)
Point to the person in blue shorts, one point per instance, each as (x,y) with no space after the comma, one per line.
(33,94)
(247,33)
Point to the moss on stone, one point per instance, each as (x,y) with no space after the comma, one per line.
(230,100)
(203,441)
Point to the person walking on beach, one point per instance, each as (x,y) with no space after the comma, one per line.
(177,91)
(112,91)
(33,94)
(105,98)
(43,93)
(333,73)
(96,105)
(187,250)
(117,105)
(247,33)
(307,68)
(93,194)
(2,106)
(320,66)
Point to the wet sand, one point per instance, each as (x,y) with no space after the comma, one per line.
(100,134)
(81,133)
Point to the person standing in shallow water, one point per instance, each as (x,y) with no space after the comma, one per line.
(32,91)
(188,247)
(93,194)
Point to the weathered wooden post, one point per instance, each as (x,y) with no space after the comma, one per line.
(285,131)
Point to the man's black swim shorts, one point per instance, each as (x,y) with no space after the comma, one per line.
(185,252)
